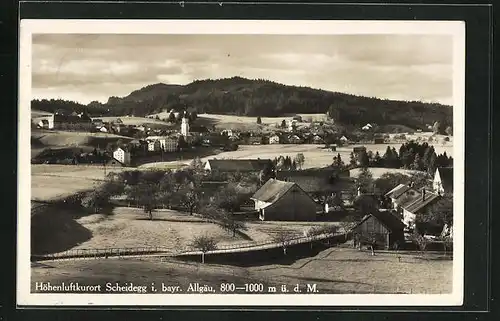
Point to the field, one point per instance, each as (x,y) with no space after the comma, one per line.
(51,182)
(173,230)
(136,121)
(334,270)
(315,155)
(42,139)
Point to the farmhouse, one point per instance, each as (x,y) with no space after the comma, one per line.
(238,165)
(114,163)
(97,122)
(396,194)
(387,228)
(44,123)
(317,140)
(42,119)
(295,139)
(359,149)
(443,180)
(122,155)
(378,140)
(367,127)
(274,139)
(416,205)
(343,140)
(318,182)
(283,201)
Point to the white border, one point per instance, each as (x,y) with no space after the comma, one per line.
(29,27)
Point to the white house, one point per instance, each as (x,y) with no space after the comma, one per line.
(154,145)
(367,127)
(343,139)
(169,144)
(122,155)
(443,180)
(43,119)
(275,139)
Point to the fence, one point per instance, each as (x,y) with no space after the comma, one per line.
(240,247)
(102,253)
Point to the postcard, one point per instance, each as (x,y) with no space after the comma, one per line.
(241,163)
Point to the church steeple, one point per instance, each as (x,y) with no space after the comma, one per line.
(185,127)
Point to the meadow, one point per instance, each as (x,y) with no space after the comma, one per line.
(335,270)
(315,155)
(53,182)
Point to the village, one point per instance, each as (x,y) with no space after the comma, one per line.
(393,200)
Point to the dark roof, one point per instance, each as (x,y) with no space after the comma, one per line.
(387,219)
(408,197)
(446,175)
(420,202)
(359,148)
(317,180)
(397,191)
(272,190)
(45,121)
(243,165)
(112,159)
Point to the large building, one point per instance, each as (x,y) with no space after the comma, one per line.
(283,201)
(167,143)
(122,155)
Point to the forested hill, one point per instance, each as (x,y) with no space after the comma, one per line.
(240,96)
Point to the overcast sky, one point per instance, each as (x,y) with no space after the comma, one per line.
(93,67)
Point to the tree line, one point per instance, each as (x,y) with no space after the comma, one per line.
(239,96)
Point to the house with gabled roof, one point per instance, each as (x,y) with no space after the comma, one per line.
(443,180)
(416,204)
(283,201)
(318,180)
(388,228)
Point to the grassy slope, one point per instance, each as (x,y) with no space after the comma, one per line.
(51,182)
(67,139)
(315,155)
(335,270)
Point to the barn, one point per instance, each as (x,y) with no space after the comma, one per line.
(386,227)
(283,201)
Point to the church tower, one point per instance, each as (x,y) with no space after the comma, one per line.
(185,127)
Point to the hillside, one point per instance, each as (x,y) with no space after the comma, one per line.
(245,97)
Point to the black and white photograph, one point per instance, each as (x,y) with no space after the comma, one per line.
(261,163)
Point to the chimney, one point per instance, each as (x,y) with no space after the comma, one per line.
(423,194)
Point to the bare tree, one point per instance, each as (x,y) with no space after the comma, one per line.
(205,244)
(284,238)
(300,159)
(420,241)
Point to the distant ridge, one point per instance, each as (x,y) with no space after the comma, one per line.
(260,97)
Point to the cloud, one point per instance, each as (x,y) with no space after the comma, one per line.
(90,67)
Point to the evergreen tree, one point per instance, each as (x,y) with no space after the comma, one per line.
(431,167)
(352,160)
(417,163)
(377,160)
(364,160)
(388,158)
(283,123)
(259,120)
(171,117)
